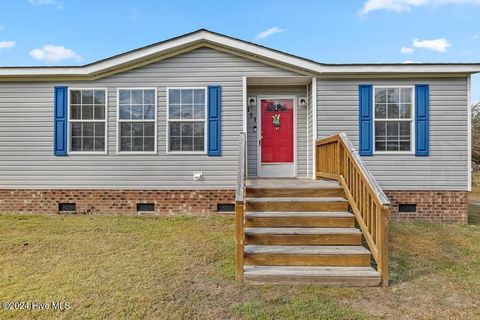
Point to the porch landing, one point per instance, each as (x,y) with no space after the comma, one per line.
(291,183)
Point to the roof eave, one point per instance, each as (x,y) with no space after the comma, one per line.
(203,37)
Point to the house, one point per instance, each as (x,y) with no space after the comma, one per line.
(158,129)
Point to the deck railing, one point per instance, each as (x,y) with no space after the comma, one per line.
(337,159)
(240,208)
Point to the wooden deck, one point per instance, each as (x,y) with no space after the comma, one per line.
(311,231)
(290,183)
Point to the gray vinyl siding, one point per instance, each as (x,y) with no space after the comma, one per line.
(301,125)
(26,129)
(446,168)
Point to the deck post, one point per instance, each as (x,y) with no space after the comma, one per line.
(240,208)
(383,266)
(239,240)
(340,158)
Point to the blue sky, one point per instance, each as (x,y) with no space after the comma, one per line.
(67,32)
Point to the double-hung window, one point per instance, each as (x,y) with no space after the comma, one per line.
(186,120)
(87,120)
(137,114)
(393,118)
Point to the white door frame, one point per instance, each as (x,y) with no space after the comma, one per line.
(259,131)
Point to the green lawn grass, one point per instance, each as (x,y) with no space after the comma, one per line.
(114,267)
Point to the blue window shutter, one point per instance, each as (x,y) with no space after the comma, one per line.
(365,106)
(422,120)
(214,120)
(60,118)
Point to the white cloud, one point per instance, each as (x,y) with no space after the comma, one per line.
(51,53)
(475,36)
(407,5)
(406,50)
(410,61)
(58,4)
(7,44)
(439,45)
(268,33)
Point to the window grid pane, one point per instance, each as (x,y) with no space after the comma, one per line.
(137,104)
(392,135)
(186,104)
(87,105)
(186,115)
(393,103)
(137,136)
(88,136)
(187,136)
(87,120)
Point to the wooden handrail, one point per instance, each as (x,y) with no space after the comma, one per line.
(240,208)
(336,158)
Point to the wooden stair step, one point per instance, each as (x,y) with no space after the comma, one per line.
(306,255)
(336,191)
(298,214)
(298,199)
(299,219)
(334,276)
(299,231)
(303,236)
(297,204)
(307,250)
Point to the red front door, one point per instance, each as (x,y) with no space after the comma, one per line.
(277,130)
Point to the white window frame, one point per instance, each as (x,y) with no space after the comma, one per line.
(412,120)
(205,120)
(155,147)
(69,127)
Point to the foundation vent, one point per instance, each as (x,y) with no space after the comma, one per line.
(67,207)
(407,208)
(225,207)
(145,207)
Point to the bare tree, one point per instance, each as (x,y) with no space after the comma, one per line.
(476,133)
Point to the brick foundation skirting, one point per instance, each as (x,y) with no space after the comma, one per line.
(169,202)
(432,206)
